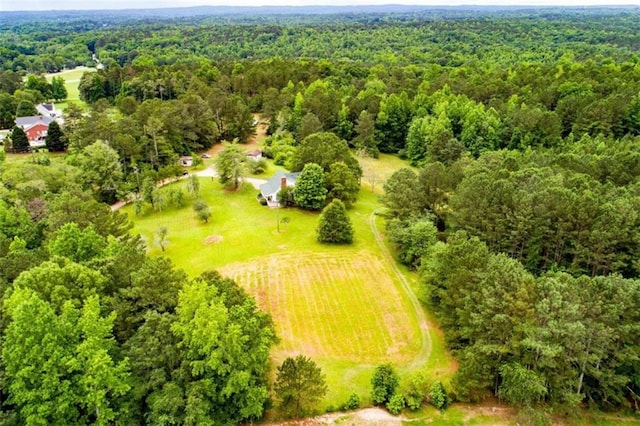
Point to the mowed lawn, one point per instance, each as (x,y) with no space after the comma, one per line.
(340,305)
(72,81)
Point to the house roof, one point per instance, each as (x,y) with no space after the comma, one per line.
(272,186)
(33,126)
(32,120)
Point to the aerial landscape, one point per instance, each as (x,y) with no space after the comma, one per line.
(347,214)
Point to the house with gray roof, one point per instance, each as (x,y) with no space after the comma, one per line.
(25,122)
(35,127)
(270,189)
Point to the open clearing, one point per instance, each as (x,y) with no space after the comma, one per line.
(342,306)
(346,307)
(71,82)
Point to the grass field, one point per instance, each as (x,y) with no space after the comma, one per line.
(72,81)
(341,305)
(376,171)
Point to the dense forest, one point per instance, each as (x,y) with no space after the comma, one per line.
(523,130)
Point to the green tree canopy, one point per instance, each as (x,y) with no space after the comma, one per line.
(334,226)
(384,382)
(230,165)
(324,149)
(225,353)
(60,366)
(55,140)
(310,192)
(342,184)
(19,140)
(101,169)
(299,385)
(58,89)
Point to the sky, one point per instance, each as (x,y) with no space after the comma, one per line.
(7,5)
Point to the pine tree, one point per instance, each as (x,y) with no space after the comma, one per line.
(55,140)
(19,140)
(334,225)
(300,385)
(230,165)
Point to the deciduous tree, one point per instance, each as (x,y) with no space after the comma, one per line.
(101,169)
(202,209)
(58,89)
(310,192)
(342,184)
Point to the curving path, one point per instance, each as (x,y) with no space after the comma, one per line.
(425,338)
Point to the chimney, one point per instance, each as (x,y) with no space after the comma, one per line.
(283,182)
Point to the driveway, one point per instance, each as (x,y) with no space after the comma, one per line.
(211,172)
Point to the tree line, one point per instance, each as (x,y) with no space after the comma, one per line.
(444,37)
(96,332)
(529,261)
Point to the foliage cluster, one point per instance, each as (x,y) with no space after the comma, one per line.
(537,281)
(94,331)
(334,226)
(299,386)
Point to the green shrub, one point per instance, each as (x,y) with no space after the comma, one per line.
(257,167)
(415,391)
(352,403)
(41,160)
(385,381)
(529,416)
(395,404)
(438,396)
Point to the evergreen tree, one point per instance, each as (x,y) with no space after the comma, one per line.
(309,125)
(334,225)
(56,140)
(230,165)
(300,385)
(384,381)
(19,140)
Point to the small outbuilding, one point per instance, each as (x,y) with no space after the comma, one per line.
(186,161)
(254,155)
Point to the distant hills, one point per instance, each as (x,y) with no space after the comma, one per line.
(244,13)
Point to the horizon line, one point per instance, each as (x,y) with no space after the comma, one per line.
(463,4)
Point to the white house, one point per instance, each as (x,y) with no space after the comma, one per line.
(48,110)
(270,189)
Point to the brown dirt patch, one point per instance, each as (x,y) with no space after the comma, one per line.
(252,143)
(213,239)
